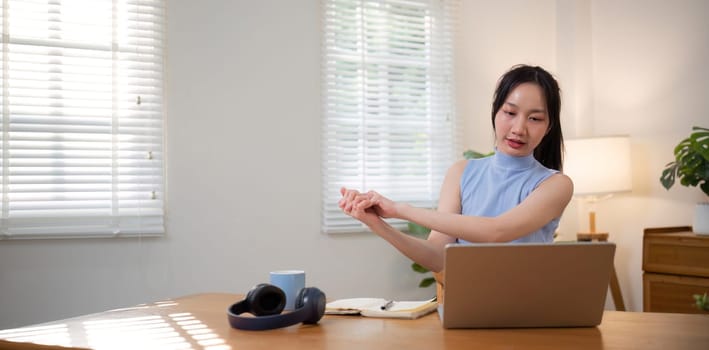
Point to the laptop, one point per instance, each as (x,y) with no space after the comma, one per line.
(526,285)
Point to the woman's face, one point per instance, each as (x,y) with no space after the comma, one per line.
(522,121)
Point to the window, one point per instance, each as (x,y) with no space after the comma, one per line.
(389,121)
(81,144)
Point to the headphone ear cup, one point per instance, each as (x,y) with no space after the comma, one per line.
(265,299)
(313,300)
(299,299)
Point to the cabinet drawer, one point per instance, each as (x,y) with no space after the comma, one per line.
(668,293)
(682,253)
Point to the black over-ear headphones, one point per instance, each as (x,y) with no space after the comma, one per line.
(266,301)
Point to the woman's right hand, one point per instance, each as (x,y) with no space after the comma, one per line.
(383,206)
(371,201)
(358,206)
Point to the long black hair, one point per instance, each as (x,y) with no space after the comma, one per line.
(549,151)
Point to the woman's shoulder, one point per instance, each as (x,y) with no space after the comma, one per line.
(475,165)
(456,170)
(467,165)
(559,182)
(459,165)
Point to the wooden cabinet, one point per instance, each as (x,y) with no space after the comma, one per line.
(676,266)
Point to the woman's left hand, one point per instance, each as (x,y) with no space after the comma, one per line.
(353,201)
(358,206)
(383,206)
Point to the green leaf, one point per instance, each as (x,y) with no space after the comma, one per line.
(668,175)
(701,301)
(418,230)
(682,148)
(427,282)
(700,141)
(705,187)
(470,154)
(418,268)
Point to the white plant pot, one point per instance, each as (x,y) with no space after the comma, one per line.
(701,219)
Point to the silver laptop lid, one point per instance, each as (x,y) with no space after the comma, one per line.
(526,284)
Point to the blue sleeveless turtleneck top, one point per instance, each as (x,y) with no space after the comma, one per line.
(493,185)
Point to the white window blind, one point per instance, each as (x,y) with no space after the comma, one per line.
(389,121)
(81,140)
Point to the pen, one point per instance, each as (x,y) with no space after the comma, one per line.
(388,305)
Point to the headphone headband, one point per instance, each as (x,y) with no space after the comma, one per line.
(258,323)
(310,307)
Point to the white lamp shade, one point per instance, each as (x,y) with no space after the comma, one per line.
(598,165)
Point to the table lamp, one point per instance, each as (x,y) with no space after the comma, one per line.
(599,167)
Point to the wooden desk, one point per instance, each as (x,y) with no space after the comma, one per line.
(200,322)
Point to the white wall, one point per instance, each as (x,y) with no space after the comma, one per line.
(650,81)
(244,197)
(493,36)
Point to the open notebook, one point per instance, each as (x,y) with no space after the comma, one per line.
(378,307)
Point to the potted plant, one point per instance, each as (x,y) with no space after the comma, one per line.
(691,167)
(701,301)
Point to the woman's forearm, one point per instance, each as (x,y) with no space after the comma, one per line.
(469,228)
(424,252)
(447,224)
(538,209)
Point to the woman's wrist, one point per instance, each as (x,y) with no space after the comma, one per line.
(378,225)
(402,211)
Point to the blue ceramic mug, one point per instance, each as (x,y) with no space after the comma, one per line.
(291,282)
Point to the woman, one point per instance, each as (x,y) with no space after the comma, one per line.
(518,194)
